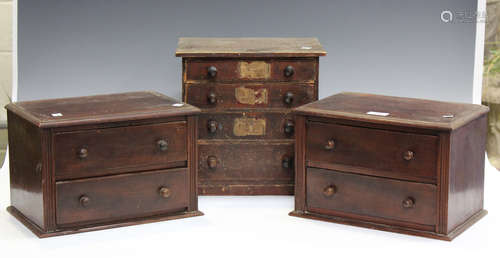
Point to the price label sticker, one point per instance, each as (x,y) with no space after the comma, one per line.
(375,113)
(56,114)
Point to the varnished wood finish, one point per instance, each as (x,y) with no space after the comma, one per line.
(130,106)
(246,88)
(466,176)
(420,113)
(121,196)
(372,151)
(371,196)
(124,162)
(410,171)
(26,168)
(109,150)
(99,226)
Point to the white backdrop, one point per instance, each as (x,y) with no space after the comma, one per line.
(250,227)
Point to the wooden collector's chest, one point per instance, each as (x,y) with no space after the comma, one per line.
(397,164)
(246,88)
(88,163)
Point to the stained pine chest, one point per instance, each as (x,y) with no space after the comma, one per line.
(246,88)
(404,165)
(88,163)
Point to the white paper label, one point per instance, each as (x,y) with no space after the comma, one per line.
(375,113)
(178,104)
(305,47)
(56,114)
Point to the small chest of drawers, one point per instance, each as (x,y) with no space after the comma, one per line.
(81,164)
(396,164)
(246,88)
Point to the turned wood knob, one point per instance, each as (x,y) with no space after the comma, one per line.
(165,192)
(212,126)
(330,145)
(212,71)
(287,162)
(82,153)
(289,127)
(288,98)
(408,203)
(329,191)
(408,155)
(289,71)
(212,162)
(38,168)
(212,98)
(84,201)
(162,145)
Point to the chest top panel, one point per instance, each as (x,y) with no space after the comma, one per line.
(249,47)
(411,112)
(100,109)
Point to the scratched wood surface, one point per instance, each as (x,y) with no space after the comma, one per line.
(246,88)
(249,47)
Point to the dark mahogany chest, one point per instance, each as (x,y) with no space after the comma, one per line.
(397,164)
(246,88)
(81,164)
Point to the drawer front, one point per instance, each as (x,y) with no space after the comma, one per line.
(114,150)
(246,162)
(372,151)
(247,125)
(230,70)
(371,196)
(262,95)
(121,196)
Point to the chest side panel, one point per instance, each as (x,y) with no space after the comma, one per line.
(26,168)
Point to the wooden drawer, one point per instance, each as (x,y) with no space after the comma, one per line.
(248,162)
(351,194)
(372,151)
(229,70)
(121,196)
(263,95)
(108,151)
(246,125)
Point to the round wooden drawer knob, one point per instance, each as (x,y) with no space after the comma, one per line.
(289,71)
(82,153)
(408,155)
(289,127)
(287,162)
(212,126)
(212,162)
(165,192)
(212,98)
(84,201)
(212,71)
(288,99)
(330,145)
(408,203)
(329,191)
(162,145)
